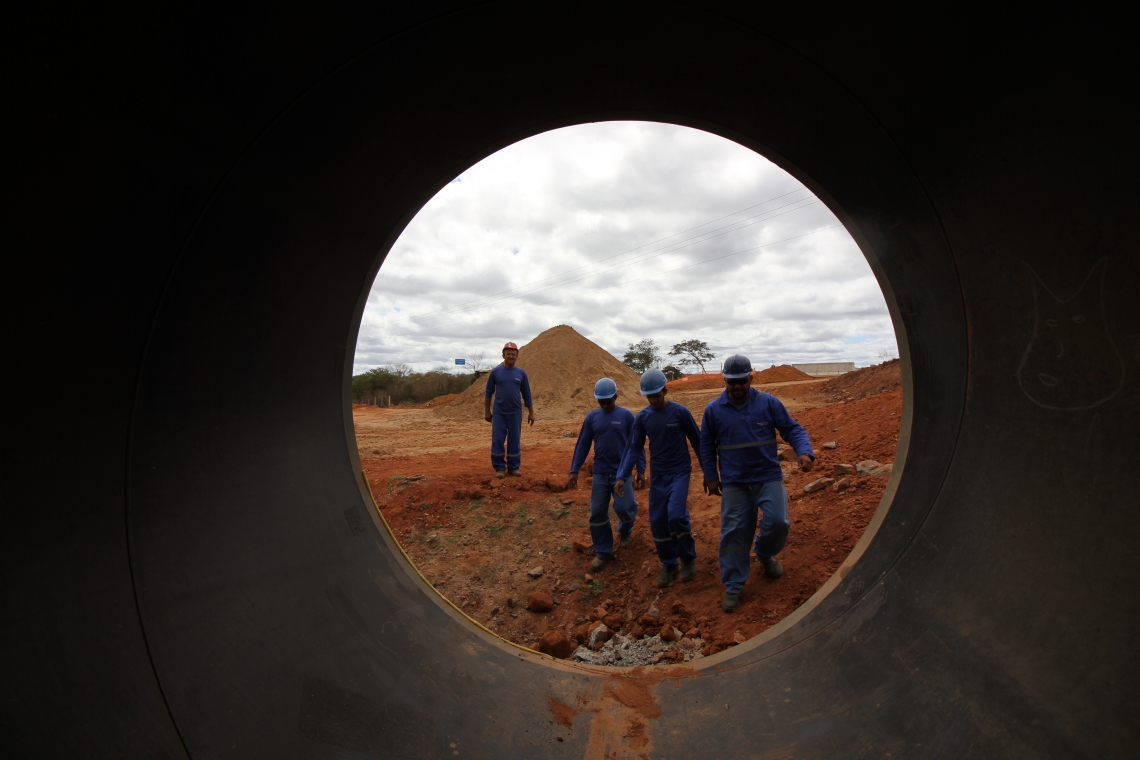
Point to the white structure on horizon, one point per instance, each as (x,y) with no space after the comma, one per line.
(826,369)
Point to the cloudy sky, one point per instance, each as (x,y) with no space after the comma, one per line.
(625,230)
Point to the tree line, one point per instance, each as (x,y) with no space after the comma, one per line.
(398,385)
(645,355)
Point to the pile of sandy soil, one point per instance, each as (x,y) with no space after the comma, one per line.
(861,383)
(782,374)
(447,398)
(562,366)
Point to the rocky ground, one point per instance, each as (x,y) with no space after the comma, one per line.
(514,554)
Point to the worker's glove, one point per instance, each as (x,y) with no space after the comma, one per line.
(572,482)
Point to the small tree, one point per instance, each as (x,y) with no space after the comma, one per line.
(477,361)
(642,356)
(671,372)
(692,351)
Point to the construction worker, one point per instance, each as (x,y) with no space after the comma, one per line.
(607,428)
(507,383)
(739,428)
(667,424)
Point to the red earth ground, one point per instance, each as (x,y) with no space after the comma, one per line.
(475,538)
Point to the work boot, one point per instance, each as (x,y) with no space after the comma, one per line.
(666,576)
(773,569)
(500,474)
(688,569)
(731,602)
(516,473)
(626,540)
(600,561)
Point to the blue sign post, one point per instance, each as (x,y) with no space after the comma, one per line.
(460,361)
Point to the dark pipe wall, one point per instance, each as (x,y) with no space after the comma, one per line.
(200,203)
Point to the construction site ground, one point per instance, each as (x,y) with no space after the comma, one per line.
(478,539)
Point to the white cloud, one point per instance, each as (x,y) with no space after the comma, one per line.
(586,226)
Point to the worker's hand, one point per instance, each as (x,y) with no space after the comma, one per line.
(619,489)
(806,463)
(572,482)
(638,481)
(530,417)
(487,416)
(712,487)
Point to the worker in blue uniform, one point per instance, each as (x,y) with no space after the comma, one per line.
(508,384)
(739,429)
(667,425)
(607,428)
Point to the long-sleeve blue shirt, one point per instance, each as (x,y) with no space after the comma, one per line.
(745,439)
(667,429)
(506,385)
(609,433)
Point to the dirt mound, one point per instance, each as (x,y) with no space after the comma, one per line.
(864,382)
(562,366)
(447,398)
(782,374)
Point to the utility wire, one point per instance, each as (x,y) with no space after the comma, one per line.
(636,260)
(626,282)
(616,255)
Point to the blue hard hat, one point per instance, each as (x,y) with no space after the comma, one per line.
(652,382)
(605,388)
(736,367)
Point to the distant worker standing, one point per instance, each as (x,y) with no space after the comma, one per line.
(507,383)
(607,428)
(739,427)
(667,425)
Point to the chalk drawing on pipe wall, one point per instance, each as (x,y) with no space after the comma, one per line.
(1071,362)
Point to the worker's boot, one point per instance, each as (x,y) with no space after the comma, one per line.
(688,569)
(731,602)
(600,561)
(666,576)
(500,474)
(515,473)
(626,540)
(773,569)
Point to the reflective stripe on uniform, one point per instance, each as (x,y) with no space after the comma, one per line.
(746,445)
(598,524)
(668,540)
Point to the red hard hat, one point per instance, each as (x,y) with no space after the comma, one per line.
(510,345)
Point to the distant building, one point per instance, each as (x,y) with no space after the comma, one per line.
(826,369)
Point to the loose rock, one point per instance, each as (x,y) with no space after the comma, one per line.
(626,651)
(818,485)
(599,636)
(841,485)
(539,602)
(535,572)
(844,469)
(556,644)
(830,445)
(871,468)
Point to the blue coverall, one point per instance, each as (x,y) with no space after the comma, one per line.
(507,386)
(744,440)
(670,471)
(609,434)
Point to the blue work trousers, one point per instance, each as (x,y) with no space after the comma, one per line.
(625,507)
(669,517)
(506,450)
(739,508)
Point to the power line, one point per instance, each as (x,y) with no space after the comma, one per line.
(616,255)
(637,260)
(628,282)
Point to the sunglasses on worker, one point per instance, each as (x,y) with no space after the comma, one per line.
(737,380)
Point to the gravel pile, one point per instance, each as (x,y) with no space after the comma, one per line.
(625,651)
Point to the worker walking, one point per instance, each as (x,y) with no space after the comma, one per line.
(739,429)
(607,428)
(508,384)
(667,425)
